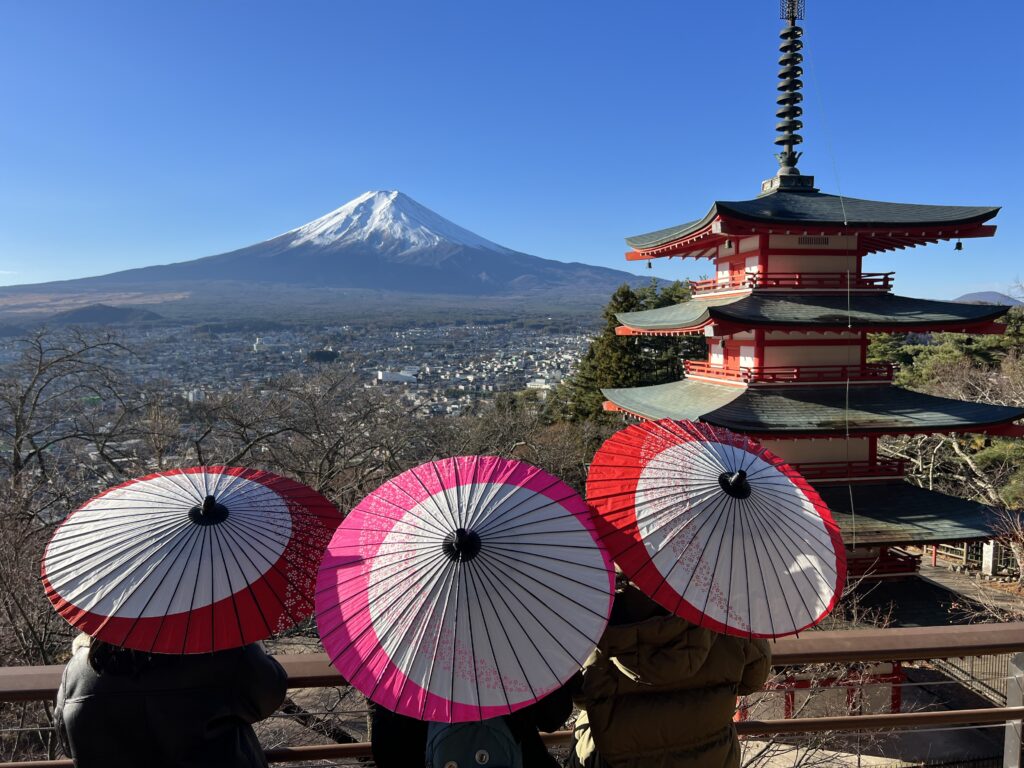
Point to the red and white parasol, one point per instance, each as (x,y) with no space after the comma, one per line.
(191,560)
(464,589)
(716,528)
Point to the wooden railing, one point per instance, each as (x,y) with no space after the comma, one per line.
(869,645)
(811,281)
(892,561)
(794,374)
(704,368)
(845,470)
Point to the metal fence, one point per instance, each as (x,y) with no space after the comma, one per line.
(983,675)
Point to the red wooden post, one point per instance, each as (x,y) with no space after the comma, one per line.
(896,702)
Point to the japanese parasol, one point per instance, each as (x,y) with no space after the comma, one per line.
(190,560)
(464,589)
(716,528)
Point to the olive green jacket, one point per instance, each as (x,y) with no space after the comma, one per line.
(660,692)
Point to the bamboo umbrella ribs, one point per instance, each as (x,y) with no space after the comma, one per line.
(716,528)
(464,589)
(190,561)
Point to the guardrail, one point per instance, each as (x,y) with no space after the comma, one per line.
(812,281)
(895,645)
(793,374)
(852,470)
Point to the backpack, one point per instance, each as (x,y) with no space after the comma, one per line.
(471,745)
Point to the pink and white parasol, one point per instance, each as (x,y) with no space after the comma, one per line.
(464,589)
(716,528)
(191,560)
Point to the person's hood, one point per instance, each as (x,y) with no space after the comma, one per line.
(657,650)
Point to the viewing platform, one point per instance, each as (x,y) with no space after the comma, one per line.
(867,373)
(883,702)
(821,282)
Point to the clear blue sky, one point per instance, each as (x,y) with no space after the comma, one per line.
(137,133)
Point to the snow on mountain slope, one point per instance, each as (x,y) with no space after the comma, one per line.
(390,221)
(382,241)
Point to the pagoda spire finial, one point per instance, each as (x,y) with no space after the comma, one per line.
(789,111)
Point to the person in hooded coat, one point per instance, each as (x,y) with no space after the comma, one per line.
(398,741)
(118,708)
(660,692)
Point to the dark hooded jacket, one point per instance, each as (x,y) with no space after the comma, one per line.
(171,712)
(398,741)
(660,692)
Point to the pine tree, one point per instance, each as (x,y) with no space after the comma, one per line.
(626,361)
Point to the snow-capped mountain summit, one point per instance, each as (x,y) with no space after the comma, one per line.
(380,241)
(390,220)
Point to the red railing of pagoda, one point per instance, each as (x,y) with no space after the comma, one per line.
(843,470)
(812,281)
(889,562)
(793,374)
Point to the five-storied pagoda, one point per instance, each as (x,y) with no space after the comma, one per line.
(787,318)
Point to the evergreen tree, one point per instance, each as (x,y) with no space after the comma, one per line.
(626,361)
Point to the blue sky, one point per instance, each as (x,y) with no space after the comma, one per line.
(144,133)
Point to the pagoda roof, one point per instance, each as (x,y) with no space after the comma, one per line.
(880,311)
(880,226)
(799,209)
(901,513)
(801,410)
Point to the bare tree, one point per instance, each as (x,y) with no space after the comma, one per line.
(64,389)
(64,413)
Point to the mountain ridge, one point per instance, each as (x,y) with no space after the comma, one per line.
(989,297)
(379,241)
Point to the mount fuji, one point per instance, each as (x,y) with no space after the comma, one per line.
(378,242)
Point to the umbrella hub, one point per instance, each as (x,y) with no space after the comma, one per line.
(735,484)
(461,545)
(210,512)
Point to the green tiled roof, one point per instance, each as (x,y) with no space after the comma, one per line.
(678,400)
(901,513)
(786,206)
(768,309)
(669,234)
(685,314)
(804,410)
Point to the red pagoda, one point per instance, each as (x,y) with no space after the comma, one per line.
(787,317)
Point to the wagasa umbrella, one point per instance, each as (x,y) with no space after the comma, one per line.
(190,560)
(716,528)
(464,589)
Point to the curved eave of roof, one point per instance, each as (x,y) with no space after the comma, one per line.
(901,513)
(821,209)
(677,400)
(671,234)
(881,409)
(685,314)
(862,311)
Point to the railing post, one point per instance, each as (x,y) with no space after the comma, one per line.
(1014,698)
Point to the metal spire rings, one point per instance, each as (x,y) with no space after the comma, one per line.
(789,98)
(789,111)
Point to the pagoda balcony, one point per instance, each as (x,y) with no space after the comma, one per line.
(873,373)
(845,471)
(808,281)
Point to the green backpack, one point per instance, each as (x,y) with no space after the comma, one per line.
(471,745)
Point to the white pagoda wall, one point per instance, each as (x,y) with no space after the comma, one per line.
(812,355)
(812,262)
